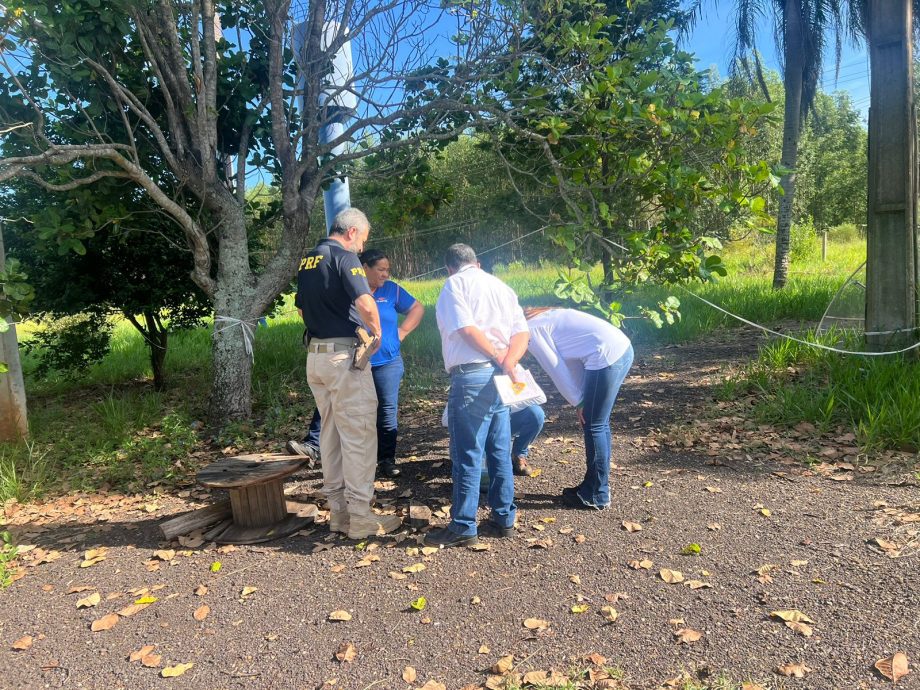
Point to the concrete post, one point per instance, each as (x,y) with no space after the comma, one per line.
(891,265)
(14,422)
(338,106)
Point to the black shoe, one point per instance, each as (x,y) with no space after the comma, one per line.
(571,499)
(444,537)
(487,528)
(388,468)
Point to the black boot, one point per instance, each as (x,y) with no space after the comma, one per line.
(388,468)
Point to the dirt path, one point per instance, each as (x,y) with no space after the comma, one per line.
(747,512)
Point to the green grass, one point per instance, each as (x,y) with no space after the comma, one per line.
(877,398)
(7,556)
(108,425)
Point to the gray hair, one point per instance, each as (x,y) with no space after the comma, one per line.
(459,255)
(348,218)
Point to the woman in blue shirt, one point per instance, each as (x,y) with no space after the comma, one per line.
(387,364)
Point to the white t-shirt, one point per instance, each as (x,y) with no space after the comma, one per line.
(567,343)
(472,297)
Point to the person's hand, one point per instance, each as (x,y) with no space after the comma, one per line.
(378,341)
(509,368)
(401,333)
(581,415)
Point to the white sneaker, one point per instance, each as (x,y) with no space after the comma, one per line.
(308,451)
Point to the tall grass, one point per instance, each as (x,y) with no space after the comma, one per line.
(108,424)
(878,397)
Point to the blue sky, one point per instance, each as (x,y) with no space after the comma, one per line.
(712,42)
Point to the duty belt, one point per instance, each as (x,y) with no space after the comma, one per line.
(327,345)
(473,366)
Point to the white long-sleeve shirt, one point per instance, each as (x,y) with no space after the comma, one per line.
(472,297)
(567,343)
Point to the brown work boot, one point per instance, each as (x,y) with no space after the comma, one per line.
(520,467)
(339,521)
(364,526)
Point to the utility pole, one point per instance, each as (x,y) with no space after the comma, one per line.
(892,262)
(14,423)
(338,102)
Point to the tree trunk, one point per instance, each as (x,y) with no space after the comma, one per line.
(158,339)
(231,387)
(792,124)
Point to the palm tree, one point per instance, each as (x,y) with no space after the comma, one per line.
(801,29)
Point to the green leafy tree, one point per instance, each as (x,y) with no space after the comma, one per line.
(130,261)
(631,142)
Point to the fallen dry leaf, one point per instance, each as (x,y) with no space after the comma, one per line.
(644,564)
(536,624)
(752,686)
(534,678)
(794,670)
(23,643)
(580,608)
(894,667)
(609,613)
(409,675)
(151,660)
(140,653)
(201,590)
(132,609)
(396,576)
(346,652)
(480,546)
(697,584)
(802,629)
(340,615)
(105,623)
(78,588)
(632,526)
(433,685)
(483,649)
(248,591)
(688,635)
(175,671)
(201,613)
(596,659)
(791,615)
(89,602)
(165,554)
(503,665)
(671,576)
(93,556)
(414,568)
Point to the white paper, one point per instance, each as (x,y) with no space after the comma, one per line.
(531,393)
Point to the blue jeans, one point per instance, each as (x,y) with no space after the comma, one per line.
(601,388)
(387,378)
(479,425)
(526,425)
(312,437)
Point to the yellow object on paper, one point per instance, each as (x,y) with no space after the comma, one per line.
(521,392)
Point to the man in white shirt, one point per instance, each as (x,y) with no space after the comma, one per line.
(483,332)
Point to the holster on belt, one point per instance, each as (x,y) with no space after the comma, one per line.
(363,349)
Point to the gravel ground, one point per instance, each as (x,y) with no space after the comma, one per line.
(817,535)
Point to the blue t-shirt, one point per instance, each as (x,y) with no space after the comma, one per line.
(391,301)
